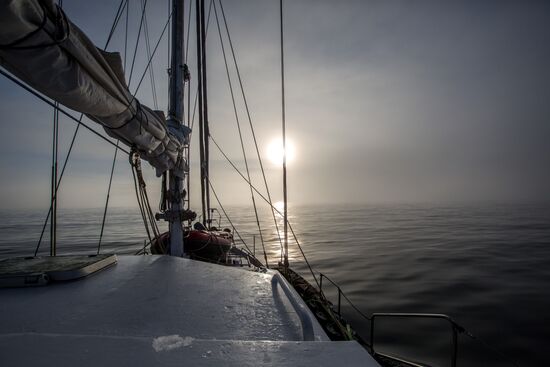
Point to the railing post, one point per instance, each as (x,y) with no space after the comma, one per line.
(455,346)
(372,334)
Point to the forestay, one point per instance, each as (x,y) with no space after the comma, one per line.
(41,46)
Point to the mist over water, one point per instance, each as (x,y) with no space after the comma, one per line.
(487,266)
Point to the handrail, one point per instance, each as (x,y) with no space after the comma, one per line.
(340,295)
(456,328)
(302,311)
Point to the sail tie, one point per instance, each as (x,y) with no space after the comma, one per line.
(62,32)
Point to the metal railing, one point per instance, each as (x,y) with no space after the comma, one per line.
(340,295)
(455,328)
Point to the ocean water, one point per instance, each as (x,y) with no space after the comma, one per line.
(487,266)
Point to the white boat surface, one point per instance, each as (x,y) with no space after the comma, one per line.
(164,310)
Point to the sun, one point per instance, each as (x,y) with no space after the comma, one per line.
(275,151)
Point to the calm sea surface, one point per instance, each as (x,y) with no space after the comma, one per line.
(487,266)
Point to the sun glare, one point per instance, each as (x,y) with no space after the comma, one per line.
(275,152)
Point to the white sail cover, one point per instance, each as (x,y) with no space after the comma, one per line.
(40,46)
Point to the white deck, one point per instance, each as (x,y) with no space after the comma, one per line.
(159,310)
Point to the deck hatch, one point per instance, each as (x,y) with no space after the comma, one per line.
(38,271)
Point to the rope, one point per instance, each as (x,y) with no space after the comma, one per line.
(240,133)
(142,197)
(138,197)
(250,122)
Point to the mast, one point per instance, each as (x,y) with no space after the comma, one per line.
(175,120)
(285,196)
(204,131)
(205,116)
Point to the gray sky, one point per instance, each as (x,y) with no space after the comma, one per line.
(387,101)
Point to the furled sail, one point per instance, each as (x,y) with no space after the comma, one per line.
(41,46)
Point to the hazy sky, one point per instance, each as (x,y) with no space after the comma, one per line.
(387,101)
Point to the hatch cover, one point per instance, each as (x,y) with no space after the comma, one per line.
(37,271)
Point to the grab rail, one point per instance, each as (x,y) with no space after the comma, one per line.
(303,312)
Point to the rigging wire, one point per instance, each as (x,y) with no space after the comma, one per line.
(197,91)
(126,34)
(240,133)
(233,53)
(55,151)
(186,53)
(137,44)
(151,58)
(47,101)
(123,4)
(53,204)
(225,214)
(118,141)
(148,50)
(274,208)
(143,194)
(168,39)
(201,40)
(79,122)
(107,199)
(143,211)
